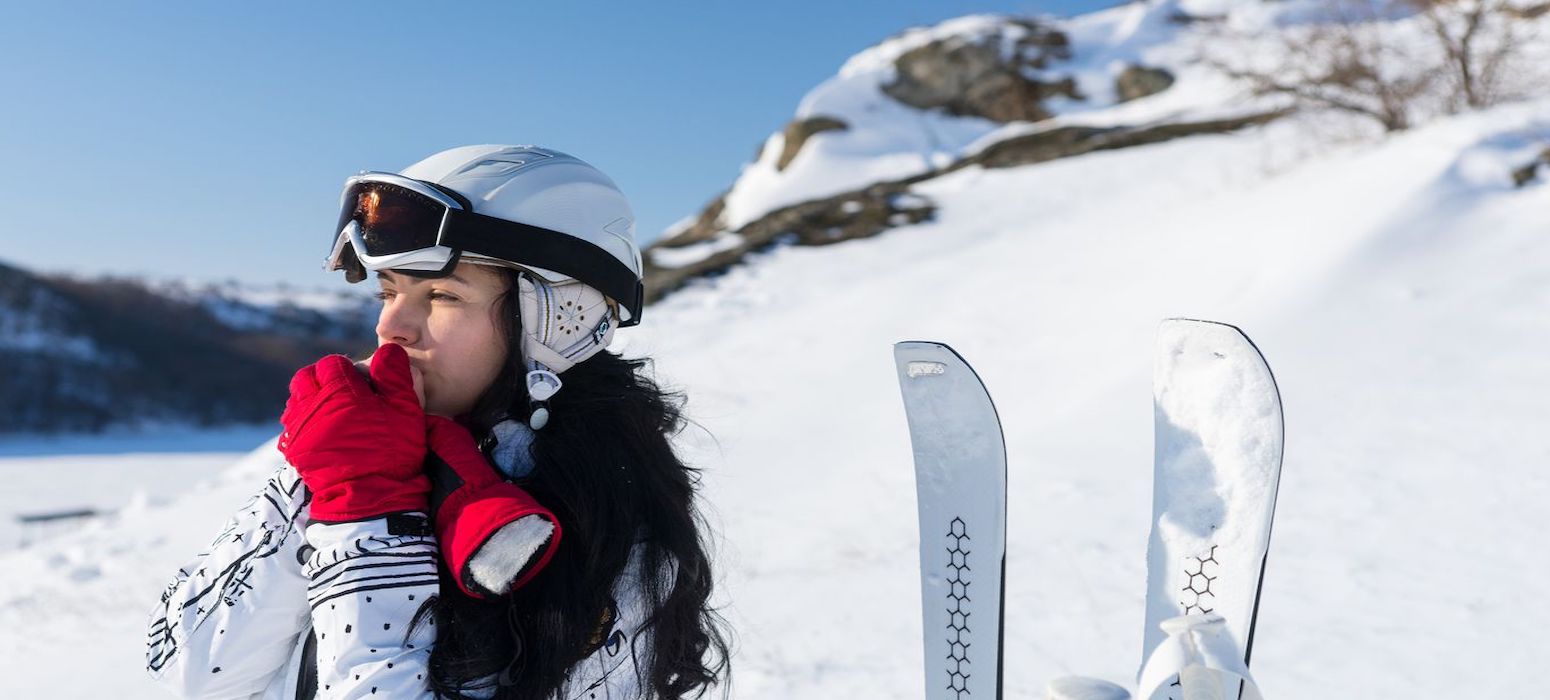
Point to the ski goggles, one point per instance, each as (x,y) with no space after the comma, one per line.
(388,221)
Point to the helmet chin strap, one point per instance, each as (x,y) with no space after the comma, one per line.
(562,325)
(541,384)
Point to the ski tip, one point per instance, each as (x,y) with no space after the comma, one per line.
(905,350)
(1194,327)
(903,347)
(1176,327)
(921,343)
(917,359)
(1184,321)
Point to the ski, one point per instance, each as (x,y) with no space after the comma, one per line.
(1219,438)
(960,482)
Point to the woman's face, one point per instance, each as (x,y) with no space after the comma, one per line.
(448,326)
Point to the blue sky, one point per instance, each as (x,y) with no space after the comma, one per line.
(210,140)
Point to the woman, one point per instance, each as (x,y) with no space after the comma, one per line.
(576,571)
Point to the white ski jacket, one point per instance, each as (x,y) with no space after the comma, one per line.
(279,608)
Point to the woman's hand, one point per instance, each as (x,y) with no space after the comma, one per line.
(364,367)
(475,507)
(357,449)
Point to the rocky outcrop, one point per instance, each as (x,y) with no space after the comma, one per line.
(1136,82)
(1183,18)
(885,205)
(797,133)
(1529,171)
(1528,12)
(706,225)
(1068,141)
(979,77)
(844,217)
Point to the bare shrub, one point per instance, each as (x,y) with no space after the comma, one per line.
(1398,63)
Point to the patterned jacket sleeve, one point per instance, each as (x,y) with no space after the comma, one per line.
(227,622)
(367,581)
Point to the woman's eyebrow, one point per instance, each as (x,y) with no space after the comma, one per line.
(388,276)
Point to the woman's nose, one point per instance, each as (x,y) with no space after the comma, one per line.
(398,322)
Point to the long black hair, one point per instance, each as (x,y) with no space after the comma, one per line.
(603,464)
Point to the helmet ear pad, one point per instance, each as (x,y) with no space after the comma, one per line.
(561,325)
(564,322)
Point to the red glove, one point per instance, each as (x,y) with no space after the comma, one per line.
(475,507)
(359,451)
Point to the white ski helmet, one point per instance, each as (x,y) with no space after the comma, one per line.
(563,224)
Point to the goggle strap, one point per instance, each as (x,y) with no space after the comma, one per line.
(454,194)
(545,248)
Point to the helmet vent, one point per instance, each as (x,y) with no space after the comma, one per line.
(497,166)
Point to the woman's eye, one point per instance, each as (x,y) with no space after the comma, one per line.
(387,295)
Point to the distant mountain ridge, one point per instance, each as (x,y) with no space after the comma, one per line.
(87,354)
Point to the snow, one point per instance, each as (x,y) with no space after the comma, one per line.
(1210,394)
(887,140)
(1404,311)
(323,299)
(683,256)
(262,307)
(80,600)
(1399,288)
(35,325)
(60,473)
(33,339)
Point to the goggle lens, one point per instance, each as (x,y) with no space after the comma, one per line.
(391,219)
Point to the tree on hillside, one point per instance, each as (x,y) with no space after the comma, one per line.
(1399,63)
(1481,40)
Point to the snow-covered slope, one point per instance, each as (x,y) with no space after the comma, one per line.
(931,99)
(885,139)
(1401,292)
(73,606)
